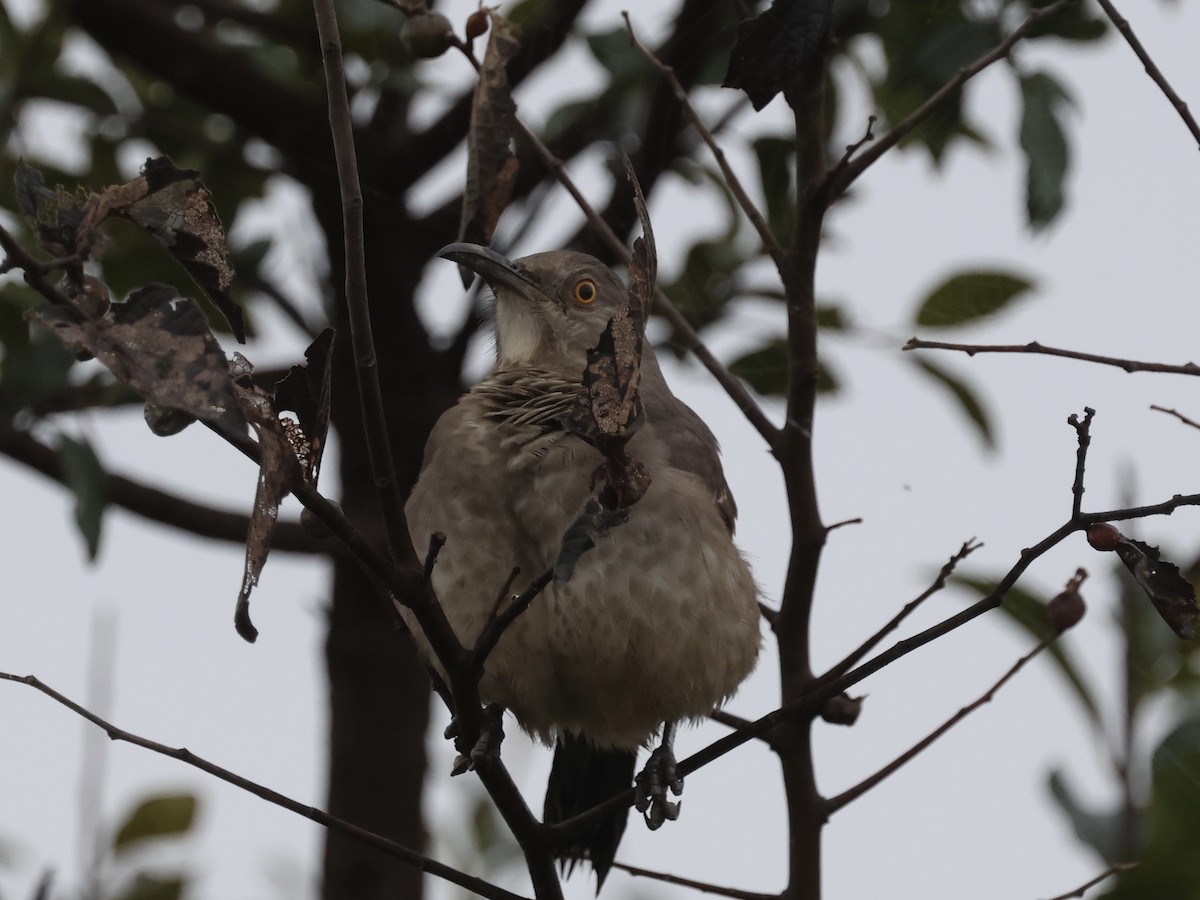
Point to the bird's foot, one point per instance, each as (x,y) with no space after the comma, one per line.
(486,748)
(653,782)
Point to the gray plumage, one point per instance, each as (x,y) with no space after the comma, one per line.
(659,621)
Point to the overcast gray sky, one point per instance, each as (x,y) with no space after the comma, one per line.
(970,817)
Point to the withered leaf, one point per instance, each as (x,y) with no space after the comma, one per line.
(1172,594)
(159,344)
(54,214)
(491,165)
(279,444)
(174,206)
(305,391)
(775,48)
(168,202)
(290,453)
(608,412)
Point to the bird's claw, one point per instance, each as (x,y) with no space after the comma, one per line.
(486,748)
(653,782)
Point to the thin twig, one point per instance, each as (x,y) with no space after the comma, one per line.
(848,170)
(1151,68)
(499,623)
(383,470)
(833,804)
(769,241)
(1129,365)
(703,886)
(399,851)
(851,149)
(870,643)
(1173,412)
(842,524)
(1114,869)
(1083,430)
(728,718)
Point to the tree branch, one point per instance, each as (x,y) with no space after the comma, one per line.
(1152,69)
(1114,869)
(379,450)
(833,804)
(1129,365)
(1180,416)
(769,241)
(159,506)
(1083,431)
(870,643)
(703,886)
(849,169)
(399,851)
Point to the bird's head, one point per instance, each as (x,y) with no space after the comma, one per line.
(550,307)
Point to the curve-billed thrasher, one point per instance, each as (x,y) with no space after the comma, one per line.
(659,621)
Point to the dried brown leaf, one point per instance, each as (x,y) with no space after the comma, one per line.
(289,454)
(305,391)
(159,344)
(491,165)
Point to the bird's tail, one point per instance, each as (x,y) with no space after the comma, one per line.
(583,776)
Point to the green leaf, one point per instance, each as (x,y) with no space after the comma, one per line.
(1045,145)
(613,50)
(969,297)
(153,887)
(165,815)
(1100,831)
(1072,23)
(1169,866)
(964,395)
(775,165)
(1029,614)
(833,317)
(88,480)
(766,370)
(708,282)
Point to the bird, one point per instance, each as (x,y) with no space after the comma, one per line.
(659,620)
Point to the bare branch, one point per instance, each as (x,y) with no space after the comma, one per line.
(499,623)
(1129,365)
(379,449)
(769,241)
(1151,68)
(1083,430)
(848,170)
(399,851)
(1180,416)
(870,643)
(703,886)
(1114,869)
(833,804)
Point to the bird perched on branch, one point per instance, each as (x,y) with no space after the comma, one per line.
(658,621)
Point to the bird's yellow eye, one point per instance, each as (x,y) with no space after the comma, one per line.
(585,290)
